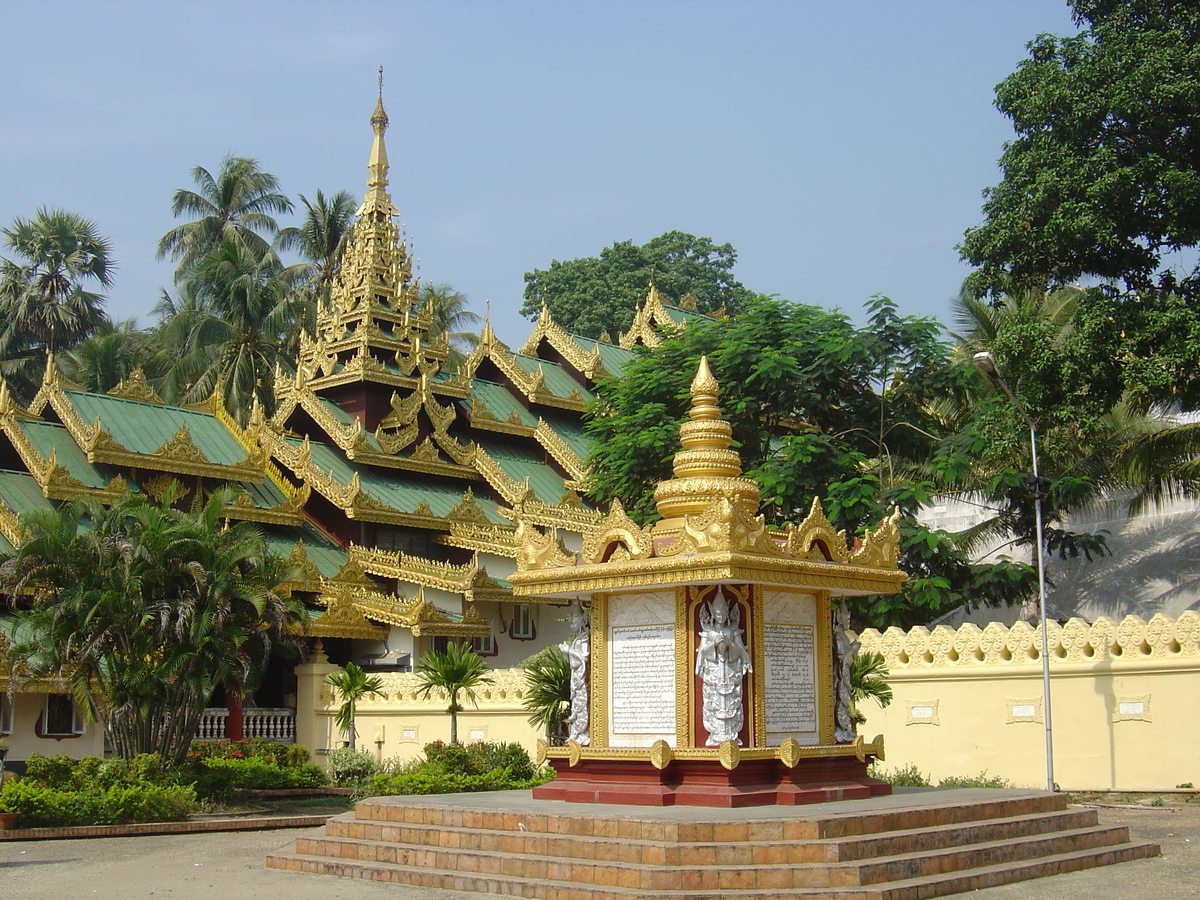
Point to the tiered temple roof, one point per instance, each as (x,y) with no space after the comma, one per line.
(382,472)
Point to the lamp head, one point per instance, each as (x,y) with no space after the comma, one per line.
(985,362)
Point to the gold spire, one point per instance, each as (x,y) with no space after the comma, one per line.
(706,468)
(377,199)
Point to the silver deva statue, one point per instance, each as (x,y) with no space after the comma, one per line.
(722,660)
(844,651)
(576,651)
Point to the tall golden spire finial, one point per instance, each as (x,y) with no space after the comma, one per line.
(707,467)
(377,199)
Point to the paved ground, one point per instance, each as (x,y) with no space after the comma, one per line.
(229,866)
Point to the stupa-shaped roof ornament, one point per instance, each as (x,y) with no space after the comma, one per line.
(707,468)
(377,201)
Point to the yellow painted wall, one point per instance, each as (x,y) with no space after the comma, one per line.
(23,742)
(1125,702)
(400,725)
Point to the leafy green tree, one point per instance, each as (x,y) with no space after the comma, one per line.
(231,327)
(1103,177)
(458,672)
(595,294)
(352,684)
(232,207)
(47,300)
(818,408)
(548,693)
(144,610)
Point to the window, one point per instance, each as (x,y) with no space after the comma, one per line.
(61,717)
(485,646)
(522,623)
(416,543)
(6,714)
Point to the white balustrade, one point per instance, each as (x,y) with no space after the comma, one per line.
(269,724)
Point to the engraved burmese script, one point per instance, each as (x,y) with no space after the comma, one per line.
(790,679)
(643,679)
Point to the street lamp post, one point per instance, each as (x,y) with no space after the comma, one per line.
(986,364)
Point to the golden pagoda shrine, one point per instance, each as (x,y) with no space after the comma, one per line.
(708,665)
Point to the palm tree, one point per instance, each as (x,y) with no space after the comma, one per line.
(548,693)
(457,671)
(232,327)
(234,206)
(108,356)
(45,300)
(448,309)
(327,229)
(868,679)
(352,684)
(144,610)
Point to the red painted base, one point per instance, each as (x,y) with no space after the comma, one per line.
(708,783)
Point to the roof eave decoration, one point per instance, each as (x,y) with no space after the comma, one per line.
(557,448)
(136,387)
(12,529)
(587,364)
(343,618)
(710,532)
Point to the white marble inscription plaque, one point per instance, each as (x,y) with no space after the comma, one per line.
(921,712)
(1131,708)
(1024,711)
(790,678)
(643,679)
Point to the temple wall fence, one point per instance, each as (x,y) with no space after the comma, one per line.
(1124,702)
(399,724)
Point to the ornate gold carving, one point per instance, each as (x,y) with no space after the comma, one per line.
(730,754)
(816,538)
(599,668)
(723,526)
(536,550)
(540,755)
(660,754)
(468,511)
(631,540)
(789,752)
(136,387)
(881,547)
(573,752)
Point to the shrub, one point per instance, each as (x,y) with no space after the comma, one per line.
(259,775)
(982,780)
(255,748)
(451,768)
(297,755)
(52,771)
(484,757)
(909,776)
(41,806)
(351,768)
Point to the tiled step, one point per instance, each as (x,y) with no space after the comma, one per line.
(698,853)
(882,853)
(712,884)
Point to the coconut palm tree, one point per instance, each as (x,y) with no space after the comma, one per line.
(109,355)
(231,328)
(47,296)
(868,680)
(448,309)
(458,671)
(352,684)
(327,229)
(232,207)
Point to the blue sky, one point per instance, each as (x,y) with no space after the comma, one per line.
(841,147)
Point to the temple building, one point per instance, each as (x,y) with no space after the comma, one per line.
(397,481)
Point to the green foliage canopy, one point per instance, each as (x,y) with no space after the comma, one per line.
(594,294)
(1103,176)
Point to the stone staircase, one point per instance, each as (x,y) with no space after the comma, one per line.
(554,851)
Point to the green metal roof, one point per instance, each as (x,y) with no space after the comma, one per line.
(557,382)
(323,553)
(547,485)
(145,427)
(682,315)
(500,402)
(266,495)
(51,437)
(573,436)
(344,418)
(400,491)
(613,356)
(20,492)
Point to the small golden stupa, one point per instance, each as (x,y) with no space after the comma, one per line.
(707,668)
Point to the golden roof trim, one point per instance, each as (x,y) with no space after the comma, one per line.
(136,387)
